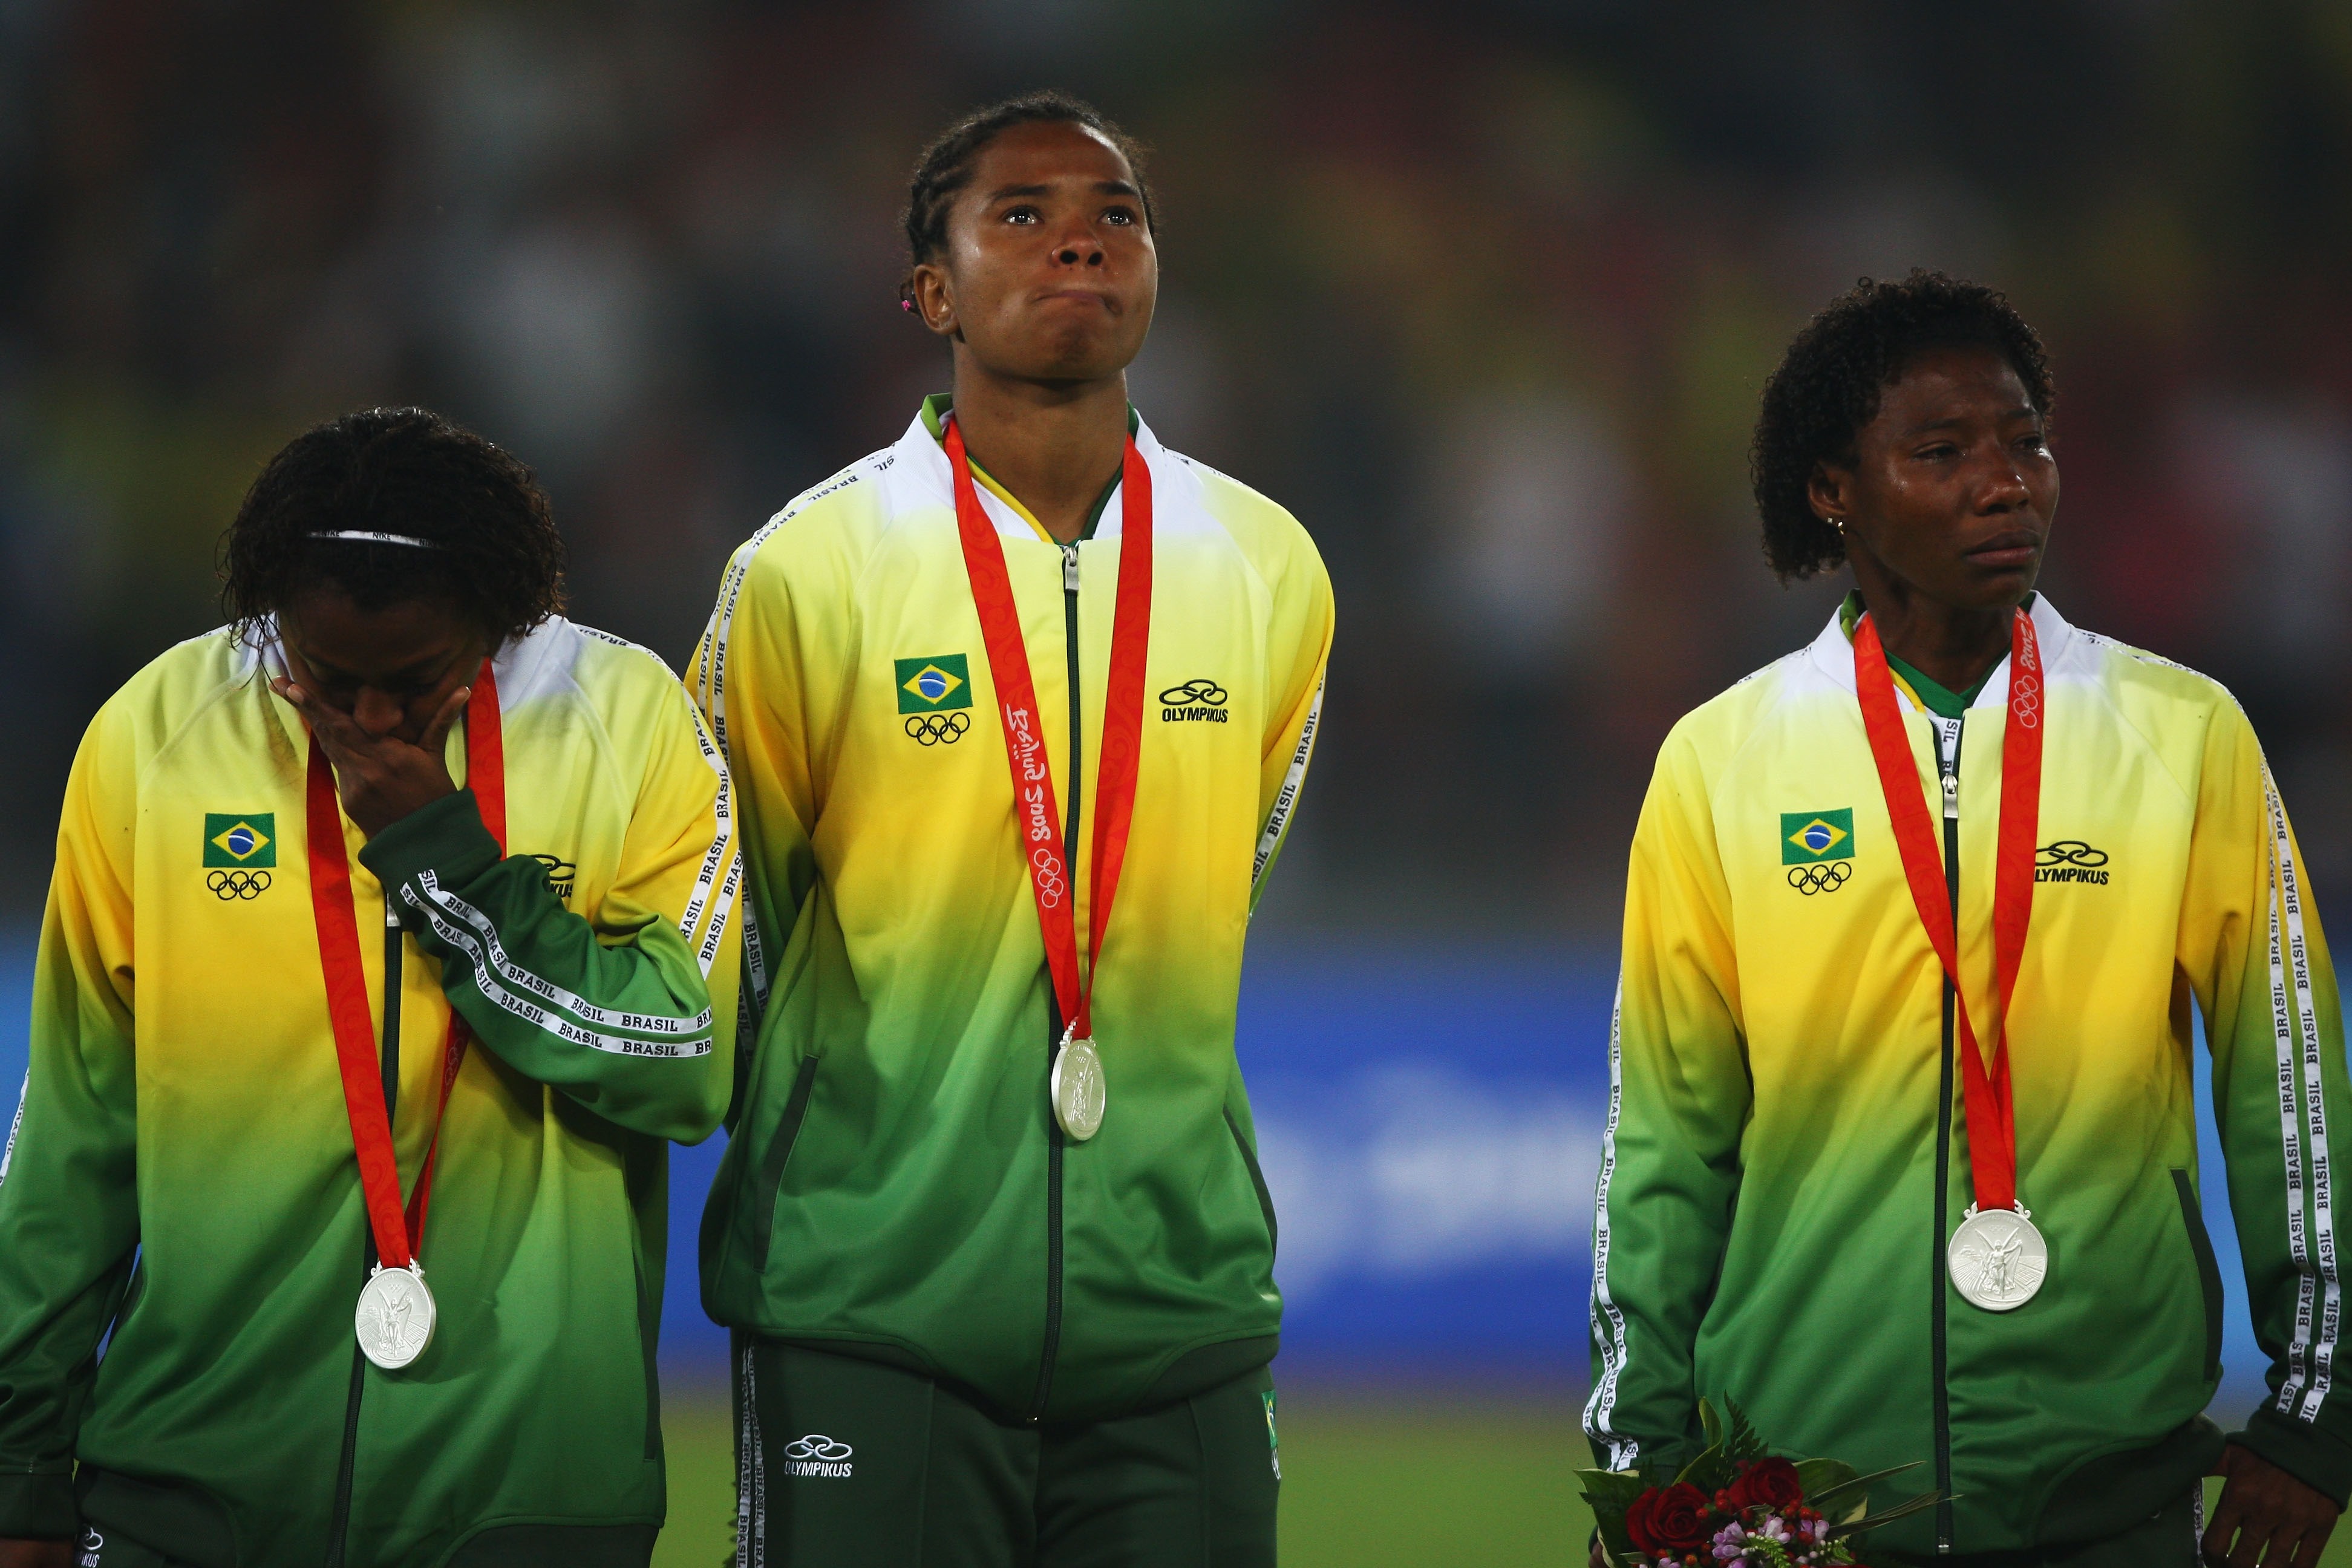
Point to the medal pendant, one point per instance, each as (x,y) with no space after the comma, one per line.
(396,1317)
(1997,1258)
(1079,1092)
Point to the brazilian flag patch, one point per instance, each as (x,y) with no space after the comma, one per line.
(933,684)
(1808,836)
(247,838)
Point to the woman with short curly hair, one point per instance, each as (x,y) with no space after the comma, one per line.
(1903,1156)
(399,897)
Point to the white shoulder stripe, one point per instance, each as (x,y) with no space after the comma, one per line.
(2298,1351)
(2297,957)
(715,858)
(750,1472)
(671,1036)
(1608,1322)
(711,674)
(8,1154)
(1277,821)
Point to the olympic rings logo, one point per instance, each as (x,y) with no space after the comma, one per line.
(1203,691)
(2025,700)
(231,886)
(817,1445)
(2025,684)
(937,729)
(1826,876)
(1051,888)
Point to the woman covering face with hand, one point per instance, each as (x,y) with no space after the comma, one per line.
(1903,1158)
(380,964)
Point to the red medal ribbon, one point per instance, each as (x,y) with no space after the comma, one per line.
(399,1236)
(1037,814)
(1991,1114)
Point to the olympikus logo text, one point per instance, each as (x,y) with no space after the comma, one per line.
(818,1455)
(2071,860)
(1196,702)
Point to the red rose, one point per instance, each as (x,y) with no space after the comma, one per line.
(1669,1519)
(1771,1482)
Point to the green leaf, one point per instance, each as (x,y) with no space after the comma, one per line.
(1611,1493)
(1741,1444)
(1711,1424)
(1820,1477)
(1887,1516)
(1852,1490)
(1708,1473)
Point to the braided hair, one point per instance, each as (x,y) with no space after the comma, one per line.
(945,167)
(1827,388)
(486,536)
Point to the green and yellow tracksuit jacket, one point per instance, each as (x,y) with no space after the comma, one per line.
(1786,1149)
(181,1184)
(896,1187)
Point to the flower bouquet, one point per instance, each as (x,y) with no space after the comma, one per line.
(1737,1506)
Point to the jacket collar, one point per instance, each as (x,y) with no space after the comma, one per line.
(925,462)
(1833,653)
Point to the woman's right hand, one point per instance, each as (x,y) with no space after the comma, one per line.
(35,1554)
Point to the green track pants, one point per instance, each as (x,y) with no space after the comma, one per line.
(844,1463)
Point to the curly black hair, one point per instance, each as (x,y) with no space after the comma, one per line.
(945,167)
(492,551)
(1828,386)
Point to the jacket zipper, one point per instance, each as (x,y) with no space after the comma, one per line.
(1947,756)
(340,1524)
(1054,1142)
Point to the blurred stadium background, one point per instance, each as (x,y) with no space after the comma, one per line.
(1484,291)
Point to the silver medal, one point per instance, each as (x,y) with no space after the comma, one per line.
(396,1317)
(1997,1258)
(1079,1092)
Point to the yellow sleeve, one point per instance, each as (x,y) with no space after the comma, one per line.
(682,865)
(2251,951)
(69,1203)
(1678,1102)
(771,676)
(636,989)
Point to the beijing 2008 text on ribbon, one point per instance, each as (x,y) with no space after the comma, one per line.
(1079,1090)
(397,1315)
(1996,1257)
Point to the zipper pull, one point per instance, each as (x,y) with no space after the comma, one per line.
(1948,761)
(1069,568)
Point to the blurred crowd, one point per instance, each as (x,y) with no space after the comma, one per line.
(1484,291)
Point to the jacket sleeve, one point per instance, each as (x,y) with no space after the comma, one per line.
(1678,1097)
(69,1206)
(614,1007)
(751,677)
(2250,950)
(1299,649)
